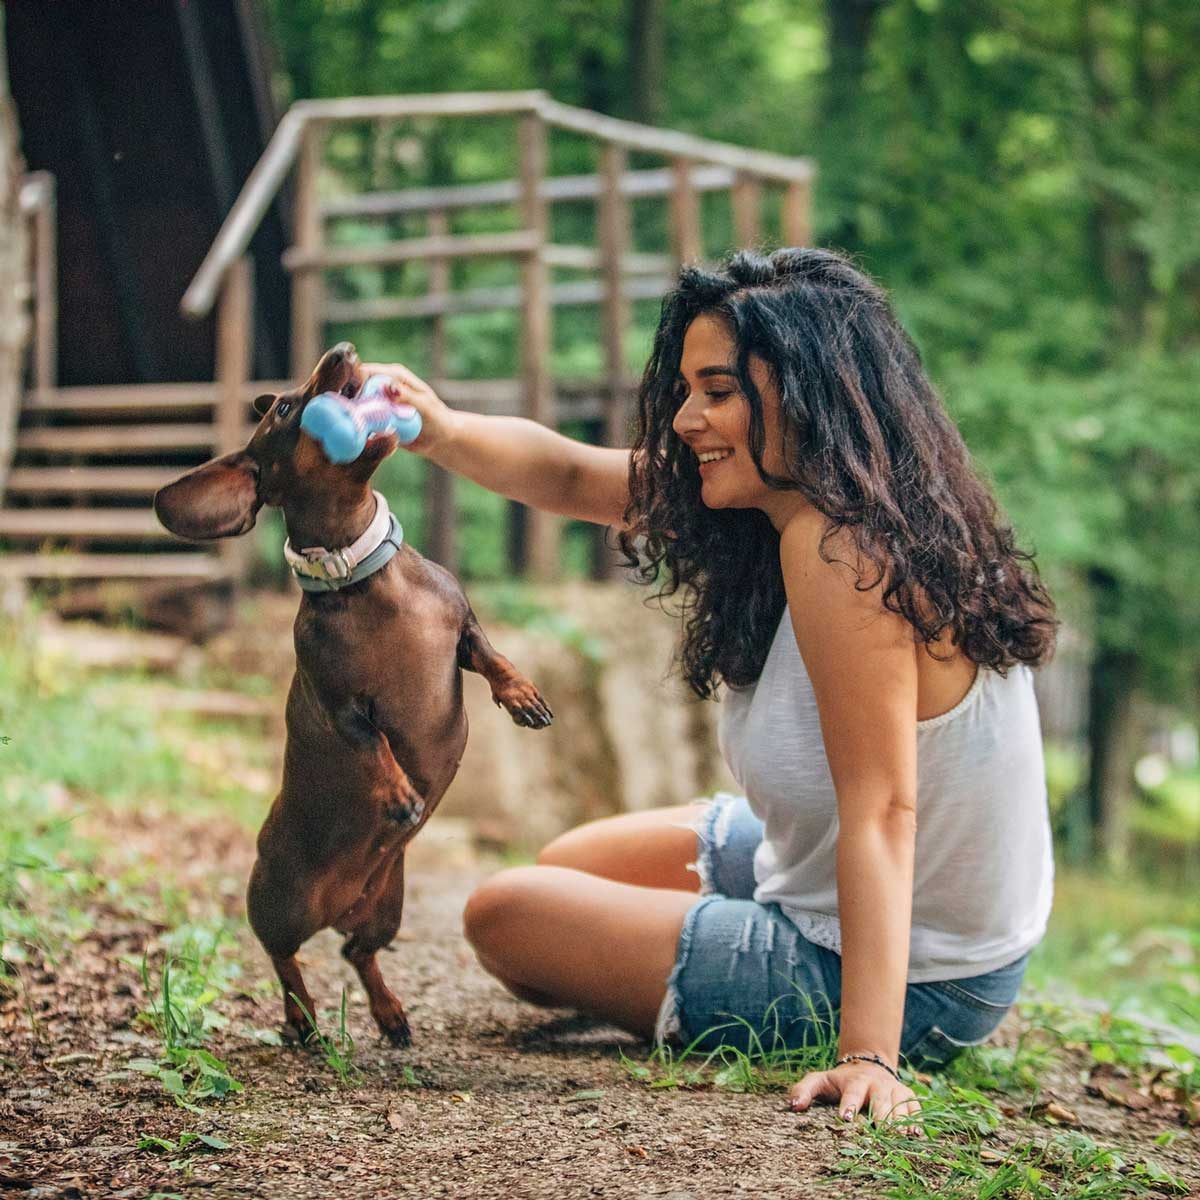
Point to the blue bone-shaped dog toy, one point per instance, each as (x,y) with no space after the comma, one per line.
(341,426)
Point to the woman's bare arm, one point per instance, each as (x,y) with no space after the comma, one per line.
(519,459)
(862,663)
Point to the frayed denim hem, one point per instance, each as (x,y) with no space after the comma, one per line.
(668,1027)
(712,829)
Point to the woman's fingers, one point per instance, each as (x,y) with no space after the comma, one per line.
(854,1095)
(816,1085)
(436,418)
(397,371)
(854,1091)
(892,1103)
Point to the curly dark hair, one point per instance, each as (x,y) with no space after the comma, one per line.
(866,442)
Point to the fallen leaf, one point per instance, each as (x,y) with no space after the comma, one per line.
(1127,1097)
(460,1097)
(395,1120)
(1113,1085)
(637,1151)
(1058,1113)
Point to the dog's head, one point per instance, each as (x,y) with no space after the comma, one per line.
(222,498)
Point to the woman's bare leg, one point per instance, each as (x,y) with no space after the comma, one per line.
(650,849)
(568,938)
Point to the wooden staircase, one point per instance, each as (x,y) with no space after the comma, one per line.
(86,464)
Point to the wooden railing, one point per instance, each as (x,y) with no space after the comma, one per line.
(37,206)
(695,165)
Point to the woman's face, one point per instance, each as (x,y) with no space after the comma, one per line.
(714,421)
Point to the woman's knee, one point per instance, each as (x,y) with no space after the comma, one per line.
(497,904)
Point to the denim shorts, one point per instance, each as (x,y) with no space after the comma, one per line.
(745,976)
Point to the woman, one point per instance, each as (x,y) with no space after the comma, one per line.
(845,575)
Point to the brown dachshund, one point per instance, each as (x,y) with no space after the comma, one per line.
(375,720)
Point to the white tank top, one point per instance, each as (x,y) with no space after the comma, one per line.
(983,871)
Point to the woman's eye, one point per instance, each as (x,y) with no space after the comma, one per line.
(284,409)
(718,395)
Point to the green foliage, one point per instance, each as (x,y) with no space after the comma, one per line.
(338,1050)
(950,1159)
(69,742)
(194,974)
(44,881)
(189,1075)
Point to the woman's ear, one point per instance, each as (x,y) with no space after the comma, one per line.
(262,404)
(219,499)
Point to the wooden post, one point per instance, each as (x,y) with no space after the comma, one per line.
(440,506)
(235,335)
(797,220)
(614,235)
(45,259)
(541,527)
(686,241)
(307,281)
(746,197)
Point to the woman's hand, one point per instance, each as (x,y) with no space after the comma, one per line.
(437,419)
(853,1087)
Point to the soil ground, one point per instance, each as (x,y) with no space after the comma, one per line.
(495,1098)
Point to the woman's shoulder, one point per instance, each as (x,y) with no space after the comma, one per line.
(824,568)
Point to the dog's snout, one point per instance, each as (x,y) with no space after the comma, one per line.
(337,369)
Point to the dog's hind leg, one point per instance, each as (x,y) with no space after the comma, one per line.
(509,687)
(300,1016)
(377,929)
(282,932)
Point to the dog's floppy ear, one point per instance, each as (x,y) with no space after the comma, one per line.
(219,499)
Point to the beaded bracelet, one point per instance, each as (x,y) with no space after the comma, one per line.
(871,1058)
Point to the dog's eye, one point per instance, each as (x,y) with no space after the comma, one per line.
(284,408)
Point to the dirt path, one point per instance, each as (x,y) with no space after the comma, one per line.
(495,1099)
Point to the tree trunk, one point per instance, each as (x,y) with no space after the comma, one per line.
(1113,679)
(844,131)
(850,23)
(646,56)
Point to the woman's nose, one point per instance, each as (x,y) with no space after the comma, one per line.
(689,418)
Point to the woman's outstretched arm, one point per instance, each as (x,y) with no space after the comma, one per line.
(862,663)
(519,459)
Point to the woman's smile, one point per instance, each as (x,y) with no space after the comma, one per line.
(710,458)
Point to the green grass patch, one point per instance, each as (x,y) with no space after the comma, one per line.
(337,1049)
(194,974)
(74,741)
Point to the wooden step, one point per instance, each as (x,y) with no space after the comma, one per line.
(112,566)
(106,524)
(103,440)
(137,399)
(107,481)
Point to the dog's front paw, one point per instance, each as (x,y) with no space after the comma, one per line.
(525,704)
